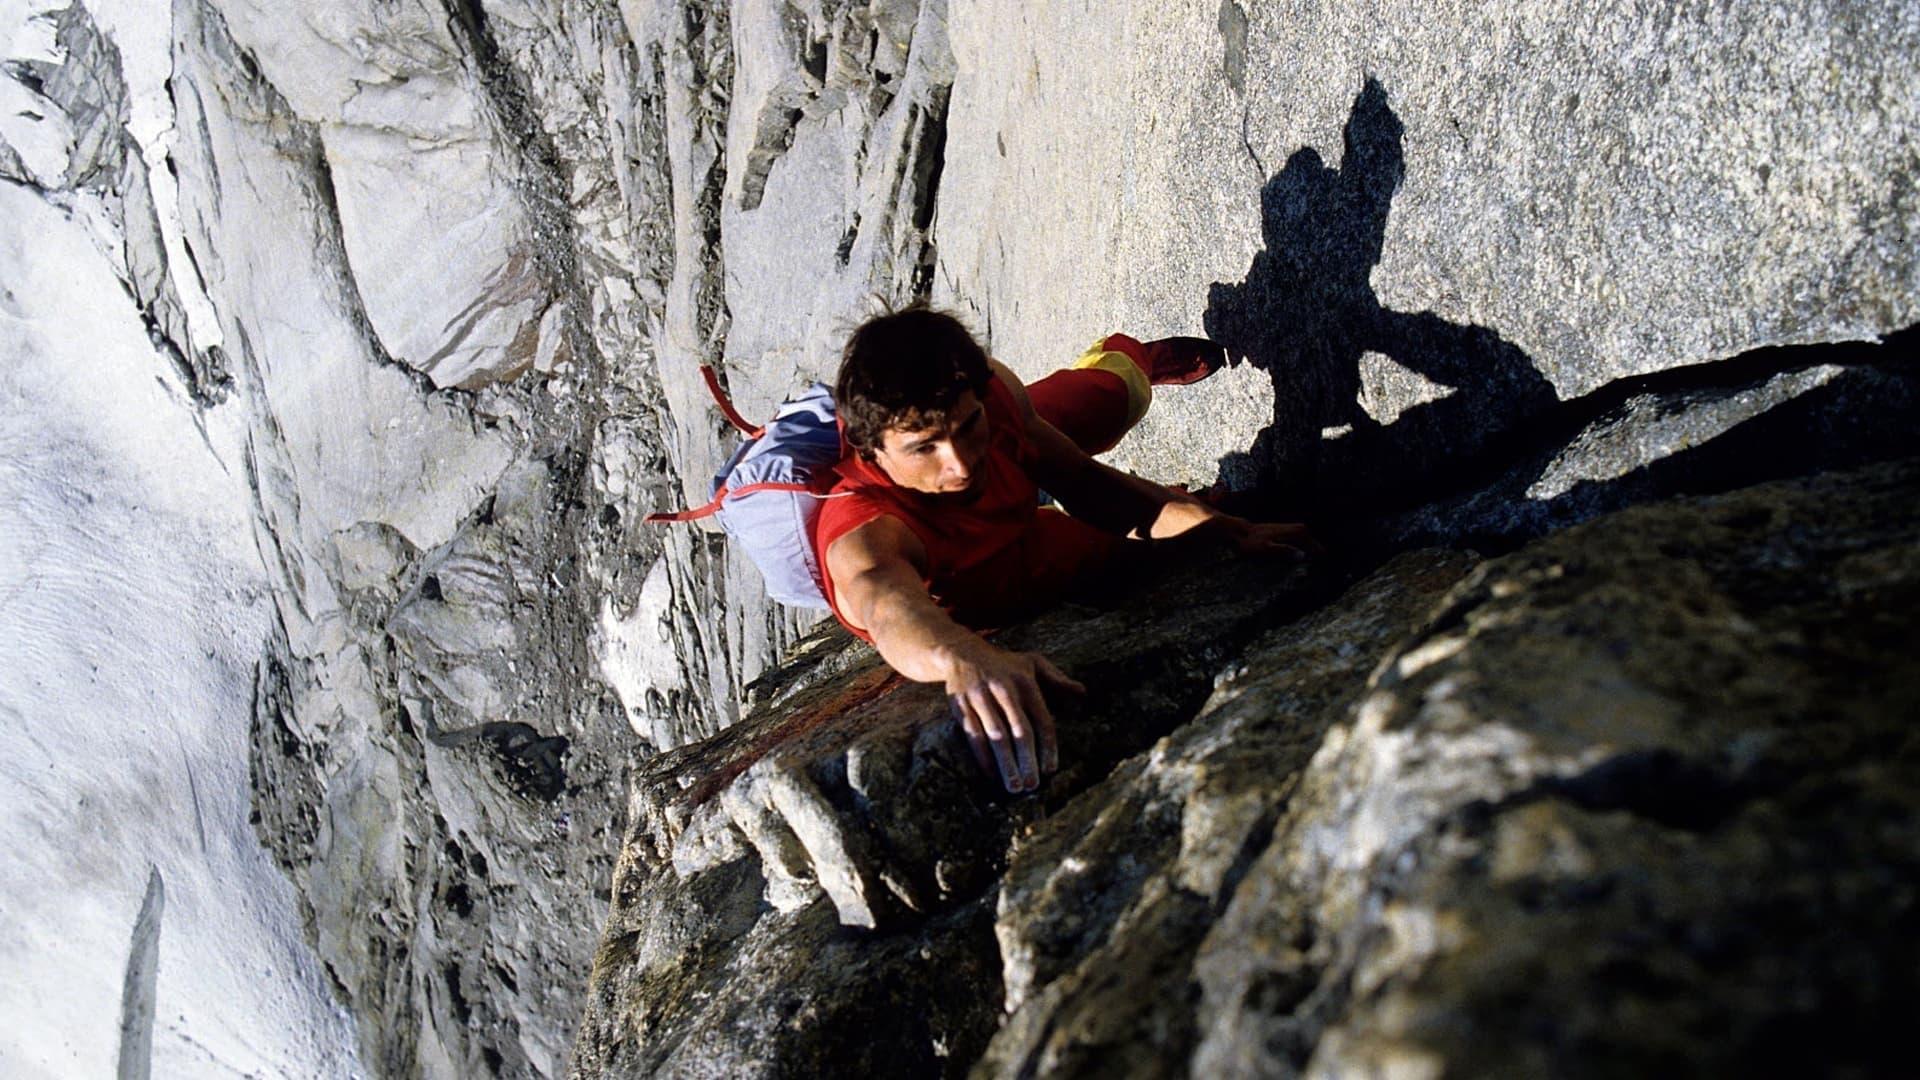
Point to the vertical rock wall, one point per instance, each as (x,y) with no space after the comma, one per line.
(452,266)
(456,266)
(143,927)
(1423,226)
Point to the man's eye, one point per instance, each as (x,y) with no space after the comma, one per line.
(923,449)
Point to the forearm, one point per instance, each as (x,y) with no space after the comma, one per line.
(915,637)
(1183,515)
(1123,503)
(995,695)
(1111,499)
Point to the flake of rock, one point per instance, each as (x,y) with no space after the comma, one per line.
(1103,906)
(1609,810)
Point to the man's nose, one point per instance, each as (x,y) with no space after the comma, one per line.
(952,464)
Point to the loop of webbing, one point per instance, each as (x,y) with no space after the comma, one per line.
(694,514)
(724,494)
(726,407)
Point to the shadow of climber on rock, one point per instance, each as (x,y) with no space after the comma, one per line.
(1307,314)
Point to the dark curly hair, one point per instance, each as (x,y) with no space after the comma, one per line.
(906,369)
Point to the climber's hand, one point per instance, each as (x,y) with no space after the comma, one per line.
(998,697)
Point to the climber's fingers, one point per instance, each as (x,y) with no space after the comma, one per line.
(1023,732)
(1047,743)
(976,735)
(979,704)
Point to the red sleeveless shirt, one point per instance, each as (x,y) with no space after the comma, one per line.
(991,558)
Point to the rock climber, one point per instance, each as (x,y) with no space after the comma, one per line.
(935,528)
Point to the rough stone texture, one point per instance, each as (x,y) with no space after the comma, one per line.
(68,131)
(434,234)
(1103,906)
(447,887)
(453,266)
(141,923)
(887,815)
(1493,207)
(1640,796)
(459,263)
(835,149)
(846,799)
(1644,795)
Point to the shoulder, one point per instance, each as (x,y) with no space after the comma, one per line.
(879,540)
(847,509)
(869,520)
(1007,386)
(877,555)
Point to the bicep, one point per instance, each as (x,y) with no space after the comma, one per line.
(1017,388)
(867,563)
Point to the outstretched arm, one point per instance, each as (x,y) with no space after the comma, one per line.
(1123,503)
(877,573)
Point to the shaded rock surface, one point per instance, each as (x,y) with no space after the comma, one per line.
(1769,413)
(846,800)
(1644,794)
(1641,795)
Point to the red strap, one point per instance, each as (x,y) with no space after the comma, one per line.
(769,485)
(694,514)
(721,496)
(726,406)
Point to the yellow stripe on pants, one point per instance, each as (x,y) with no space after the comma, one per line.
(1139,390)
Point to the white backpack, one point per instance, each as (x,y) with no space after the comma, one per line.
(770,491)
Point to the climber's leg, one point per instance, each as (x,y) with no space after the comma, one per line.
(1172,361)
(1093,406)
(1108,390)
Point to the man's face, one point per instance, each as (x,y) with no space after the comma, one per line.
(942,460)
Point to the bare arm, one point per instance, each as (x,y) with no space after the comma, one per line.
(1109,498)
(877,573)
(1123,503)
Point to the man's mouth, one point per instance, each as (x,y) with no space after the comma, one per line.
(961,492)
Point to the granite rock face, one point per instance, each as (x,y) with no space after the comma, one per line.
(1640,795)
(845,799)
(143,927)
(451,268)
(1425,223)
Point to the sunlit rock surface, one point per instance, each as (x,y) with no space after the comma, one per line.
(431,283)
(142,926)
(1483,210)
